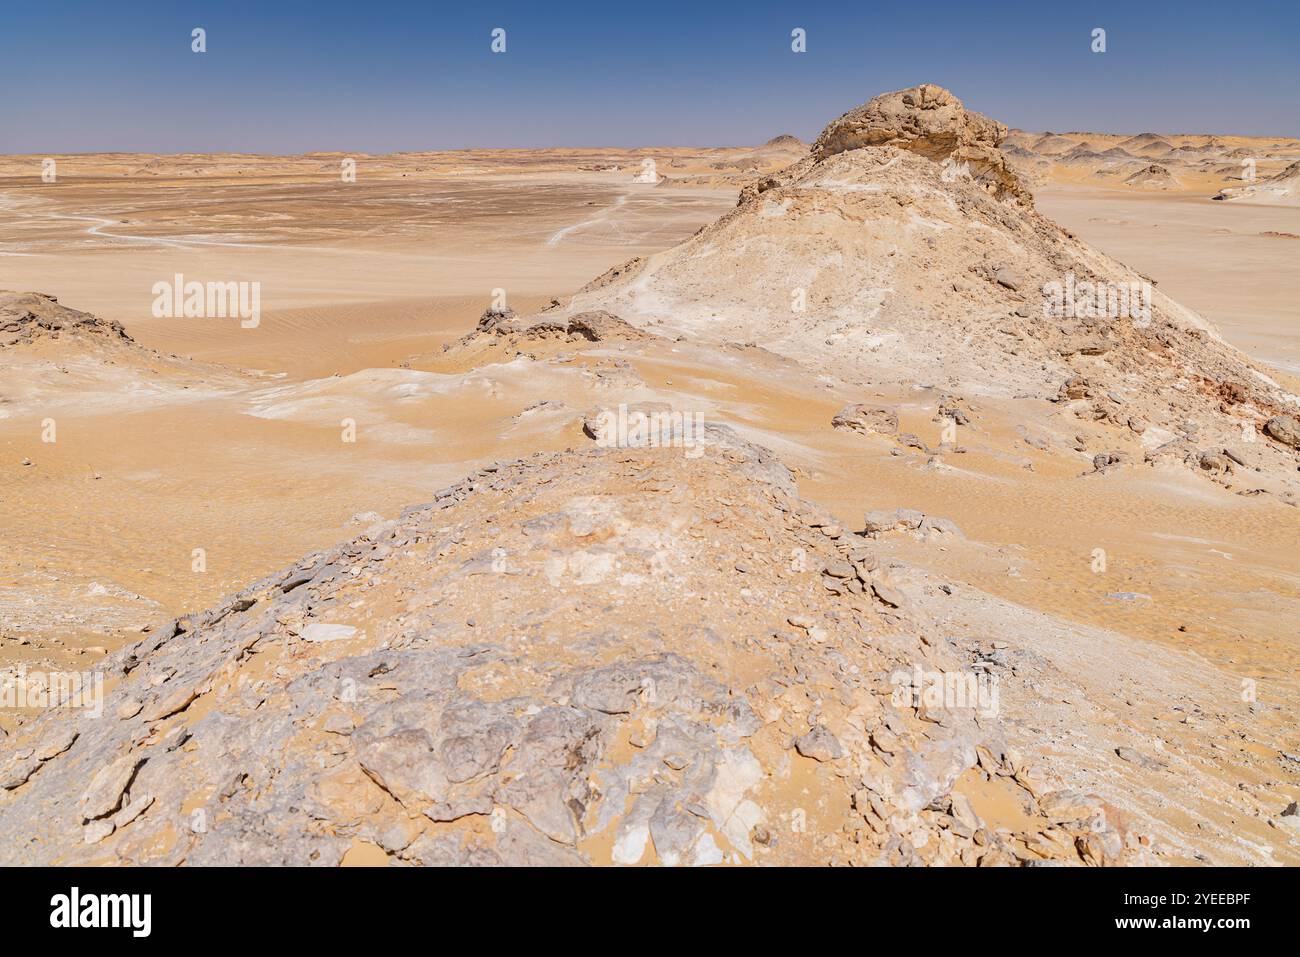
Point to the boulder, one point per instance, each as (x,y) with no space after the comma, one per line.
(867,419)
(1284,429)
(932,122)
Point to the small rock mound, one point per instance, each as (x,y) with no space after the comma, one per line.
(505,327)
(867,419)
(882,521)
(31,316)
(594,326)
(786,140)
(1154,176)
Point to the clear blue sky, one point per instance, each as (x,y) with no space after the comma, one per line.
(379,76)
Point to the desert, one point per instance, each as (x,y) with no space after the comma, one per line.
(921,493)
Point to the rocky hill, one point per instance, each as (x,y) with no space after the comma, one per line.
(900,251)
(624,655)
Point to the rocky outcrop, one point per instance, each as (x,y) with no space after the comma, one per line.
(1152,177)
(874,256)
(1283,429)
(932,122)
(30,316)
(616,656)
(867,419)
(1281,189)
(503,327)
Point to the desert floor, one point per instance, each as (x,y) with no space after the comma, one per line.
(1234,264)
(363,283)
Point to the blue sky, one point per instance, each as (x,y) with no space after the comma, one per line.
(381,76)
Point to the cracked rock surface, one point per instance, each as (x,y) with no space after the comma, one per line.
(557,661)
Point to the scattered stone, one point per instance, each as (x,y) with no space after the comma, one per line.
(819,744)
(1137,757)
(1008,277)
(1284,429)
(96,831)
(176,702)
(1105,461)
(888,592)
(945,527)
(964,814)
(1062,806)
(104,795)
(58,744)
(888,520)
(132,810)
(867,419)
(840,569)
